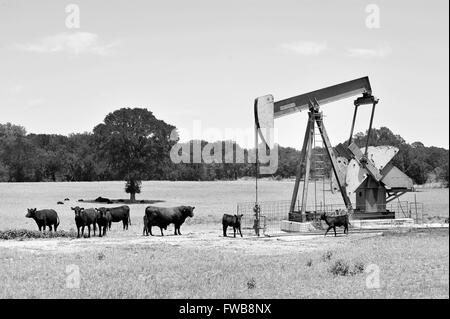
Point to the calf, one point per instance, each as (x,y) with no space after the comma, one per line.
(44,218)
(335,221)
(83,218)
(232,221)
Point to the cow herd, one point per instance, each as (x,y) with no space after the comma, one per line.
(103,217)
(160,217)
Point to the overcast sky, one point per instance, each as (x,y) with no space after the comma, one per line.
(204,61)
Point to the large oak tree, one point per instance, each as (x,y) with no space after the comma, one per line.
(135,144)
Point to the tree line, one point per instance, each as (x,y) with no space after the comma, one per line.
(133,145)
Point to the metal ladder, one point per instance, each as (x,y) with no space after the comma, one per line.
(318,168)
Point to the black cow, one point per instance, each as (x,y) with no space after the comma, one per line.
(119,214)
(232,221)
(336,221)
(162,217)
(83,218)
(145,230)
(103,220)
(44,218)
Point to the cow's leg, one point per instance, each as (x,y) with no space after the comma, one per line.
(109,224)
(176,229)
(78,229)
(82,231)
(179,232)
(50,227)
(234,231)
(40,227)
(55,226)
(240,232)
(329,227)
(334,231)
(89,231)
(149,229)
(225,230)
(162,234)
(95,228)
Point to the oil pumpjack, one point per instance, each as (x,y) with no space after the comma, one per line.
(367,172)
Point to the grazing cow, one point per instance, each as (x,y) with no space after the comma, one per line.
(103,220)
(59,203)
(44,218)
(232,221)
(83,218)
(164,216)
(335,221)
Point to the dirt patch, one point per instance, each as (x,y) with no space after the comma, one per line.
(205,238)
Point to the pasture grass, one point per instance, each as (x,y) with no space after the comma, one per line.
(411,265)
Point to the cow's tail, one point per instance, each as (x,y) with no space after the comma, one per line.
(57,220)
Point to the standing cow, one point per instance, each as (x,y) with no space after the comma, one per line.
(232,221)
(83,218)
(103,220)
(118,214)
(164,216)
(336,221)
(44,218)
(145,230)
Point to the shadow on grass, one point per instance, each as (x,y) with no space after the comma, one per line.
(120,201)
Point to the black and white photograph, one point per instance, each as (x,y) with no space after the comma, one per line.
(238,152)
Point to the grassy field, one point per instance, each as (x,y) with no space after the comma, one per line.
(411,265)
(211,199)
(203,264)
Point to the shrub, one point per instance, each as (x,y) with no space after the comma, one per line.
(21,234)
(340,268)
(309,263)
(327,255)
(251,284)
(358,268)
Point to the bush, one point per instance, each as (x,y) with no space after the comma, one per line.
(327,255)
(358,268)
(251,284)
(340,268)
(309,263)
(21,234)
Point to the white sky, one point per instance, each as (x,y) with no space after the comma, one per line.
(204,60)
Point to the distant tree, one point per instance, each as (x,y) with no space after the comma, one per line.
(381,136)
(135,144)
